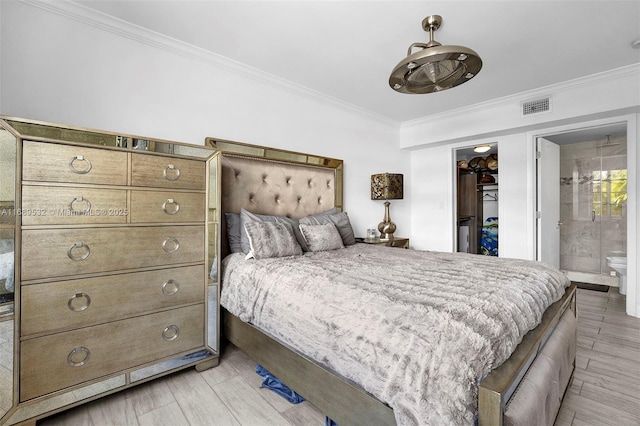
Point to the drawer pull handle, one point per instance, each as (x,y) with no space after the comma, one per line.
(83,200)
(78,356)
(79,245)
(173,205)
(170,332)
(170,287)
(74,302)
(80,158)
(171,173)
(171,245)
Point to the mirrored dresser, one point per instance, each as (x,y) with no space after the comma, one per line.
(108,263)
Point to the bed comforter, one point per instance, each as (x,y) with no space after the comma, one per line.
(419,330)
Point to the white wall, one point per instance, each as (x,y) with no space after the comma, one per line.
(432,199)
(602,95)
(71,66)
(516,195)
(433,174)
(633,218)
(604,99)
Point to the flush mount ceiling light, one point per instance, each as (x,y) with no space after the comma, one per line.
(435,67)
(482,148)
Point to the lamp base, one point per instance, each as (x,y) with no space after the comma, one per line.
(386,227)
(386,237)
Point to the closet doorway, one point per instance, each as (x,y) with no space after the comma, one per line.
(477,199)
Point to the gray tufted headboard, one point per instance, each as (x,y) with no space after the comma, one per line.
(271,181)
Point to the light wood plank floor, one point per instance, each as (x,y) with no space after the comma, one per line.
(605,390)
(606,385)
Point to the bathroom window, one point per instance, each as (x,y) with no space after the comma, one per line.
(609,192)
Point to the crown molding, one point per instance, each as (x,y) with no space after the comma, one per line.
(629,70)
(105,22)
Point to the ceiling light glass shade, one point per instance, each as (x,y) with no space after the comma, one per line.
(434,67)
(482,148)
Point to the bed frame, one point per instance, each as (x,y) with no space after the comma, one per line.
(528,387)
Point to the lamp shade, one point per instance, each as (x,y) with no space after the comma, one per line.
(386,186)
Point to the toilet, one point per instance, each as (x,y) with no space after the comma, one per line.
(619,264)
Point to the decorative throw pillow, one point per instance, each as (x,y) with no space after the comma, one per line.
(233,232)
(246,217)
(340,220)
(271,239)
(321,237)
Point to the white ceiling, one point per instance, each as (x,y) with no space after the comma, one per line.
(347,49)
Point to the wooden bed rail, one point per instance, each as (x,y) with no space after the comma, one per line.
(497,388)
(336,397)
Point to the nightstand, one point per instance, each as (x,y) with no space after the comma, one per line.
(396,242)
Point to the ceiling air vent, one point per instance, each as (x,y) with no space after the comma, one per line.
(536,106)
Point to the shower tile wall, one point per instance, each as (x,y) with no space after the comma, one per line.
(585,243)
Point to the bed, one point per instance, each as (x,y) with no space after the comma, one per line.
(351,371)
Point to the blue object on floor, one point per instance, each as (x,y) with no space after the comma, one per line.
(489,240)
(329,422)
(272,382)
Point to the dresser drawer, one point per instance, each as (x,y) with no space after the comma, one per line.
(61,360)
(57,205)
(50,253)
(89,301)
(166,172)
(52,162)
(165,206)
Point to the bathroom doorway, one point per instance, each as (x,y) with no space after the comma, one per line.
(593,201)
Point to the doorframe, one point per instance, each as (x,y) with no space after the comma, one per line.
(454,185)
(633,138)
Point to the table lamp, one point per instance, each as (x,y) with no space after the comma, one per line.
(386,186)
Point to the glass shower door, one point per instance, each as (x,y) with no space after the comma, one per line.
(580,230)
(592,205)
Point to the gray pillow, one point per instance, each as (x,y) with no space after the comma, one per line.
(233,232)
(321,237)
(246,216)
(271,239)
(326,212)
(340,220)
